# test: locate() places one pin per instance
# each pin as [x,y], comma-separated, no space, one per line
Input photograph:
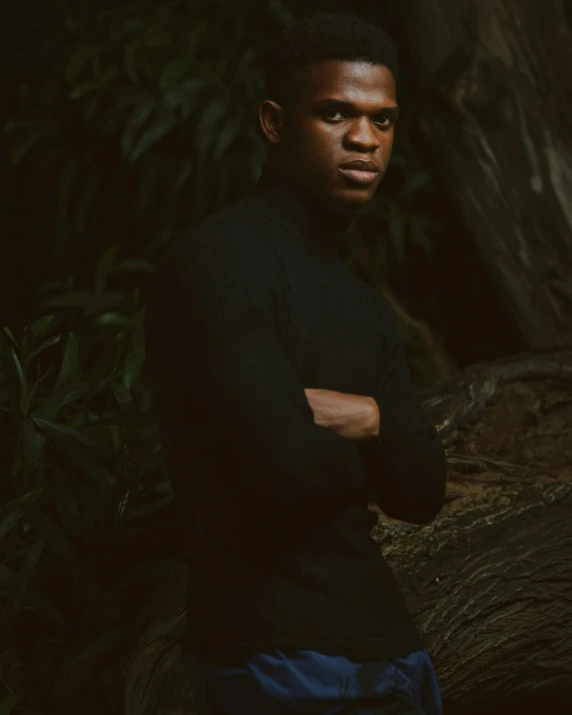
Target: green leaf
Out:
[63,432]
[29,566]
[56,537]
[184,175]
[104,644]
[13,126]
[111,72]
[70,363]
[120,509]
[225,139]
[85,454]
[183,94]
[43,346]
[66,392]
[50,286]
[22,147]
[10,515]
[152,135]
[83,88]
[123,398]
[134,265]
[244,61]
[129,62]
[88,300]
[172,73]
[195,36]
[123,27]
[111,299]
[214,71]
[133,365]
[41,326]
[80,57]
[10,334]
[207,125]
[116,320]
[282,12]
[139,115]
[22,379]
[32,448]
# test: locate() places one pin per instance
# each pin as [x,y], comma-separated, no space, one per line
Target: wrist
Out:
[369,427]
[374,422]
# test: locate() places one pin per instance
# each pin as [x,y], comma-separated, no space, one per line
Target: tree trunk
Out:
[489,582]
[496,109]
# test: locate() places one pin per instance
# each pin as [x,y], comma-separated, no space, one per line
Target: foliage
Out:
[150,124]
[151,121]
[81,472]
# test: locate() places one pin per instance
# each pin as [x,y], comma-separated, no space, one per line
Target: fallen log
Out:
[489,582]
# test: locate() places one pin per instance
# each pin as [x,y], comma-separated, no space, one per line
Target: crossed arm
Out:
[214,338]
[355,417]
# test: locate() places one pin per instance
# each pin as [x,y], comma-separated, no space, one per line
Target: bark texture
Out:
[489,582]
[497,112]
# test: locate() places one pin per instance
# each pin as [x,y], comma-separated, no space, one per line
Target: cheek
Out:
[387,140]
[316,137]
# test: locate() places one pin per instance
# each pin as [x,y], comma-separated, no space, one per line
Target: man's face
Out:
[344,112]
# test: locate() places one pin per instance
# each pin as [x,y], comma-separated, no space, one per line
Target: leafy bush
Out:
[81,473]
[150,123]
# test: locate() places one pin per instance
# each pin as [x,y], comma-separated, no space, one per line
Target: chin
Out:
[354,205]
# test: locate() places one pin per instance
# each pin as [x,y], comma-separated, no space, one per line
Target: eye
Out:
[327,114]
[383,119]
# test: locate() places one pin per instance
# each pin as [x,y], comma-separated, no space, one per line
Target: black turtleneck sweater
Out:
[247,310]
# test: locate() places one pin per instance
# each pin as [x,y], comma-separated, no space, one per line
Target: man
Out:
[286,408]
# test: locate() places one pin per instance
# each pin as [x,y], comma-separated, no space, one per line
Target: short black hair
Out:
[321,37]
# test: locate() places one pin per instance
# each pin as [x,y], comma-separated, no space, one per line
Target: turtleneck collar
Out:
[287,202]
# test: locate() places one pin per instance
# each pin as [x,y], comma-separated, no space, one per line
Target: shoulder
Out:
[230,240]
[225,262]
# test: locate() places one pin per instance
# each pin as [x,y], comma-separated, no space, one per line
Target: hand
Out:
[354,417]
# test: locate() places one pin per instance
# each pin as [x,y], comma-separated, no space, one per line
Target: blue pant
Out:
[275,683]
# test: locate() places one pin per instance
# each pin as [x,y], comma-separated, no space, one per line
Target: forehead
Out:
[356,82]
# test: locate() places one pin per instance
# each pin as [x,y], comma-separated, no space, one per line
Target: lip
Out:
[359,176]
[361,164]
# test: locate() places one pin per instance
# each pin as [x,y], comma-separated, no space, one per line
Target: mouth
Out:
[363,177]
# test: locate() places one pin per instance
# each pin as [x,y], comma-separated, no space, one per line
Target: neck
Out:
[319,225]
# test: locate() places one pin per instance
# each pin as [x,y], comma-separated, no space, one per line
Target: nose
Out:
[362,135]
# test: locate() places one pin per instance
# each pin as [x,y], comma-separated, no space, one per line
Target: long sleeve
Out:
[212,326]
[405,466]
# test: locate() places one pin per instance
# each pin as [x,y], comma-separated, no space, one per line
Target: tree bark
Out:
[489,582]
[496,109]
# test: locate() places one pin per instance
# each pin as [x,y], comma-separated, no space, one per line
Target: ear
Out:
[271,121]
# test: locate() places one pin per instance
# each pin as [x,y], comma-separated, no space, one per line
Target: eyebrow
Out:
[392,111]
